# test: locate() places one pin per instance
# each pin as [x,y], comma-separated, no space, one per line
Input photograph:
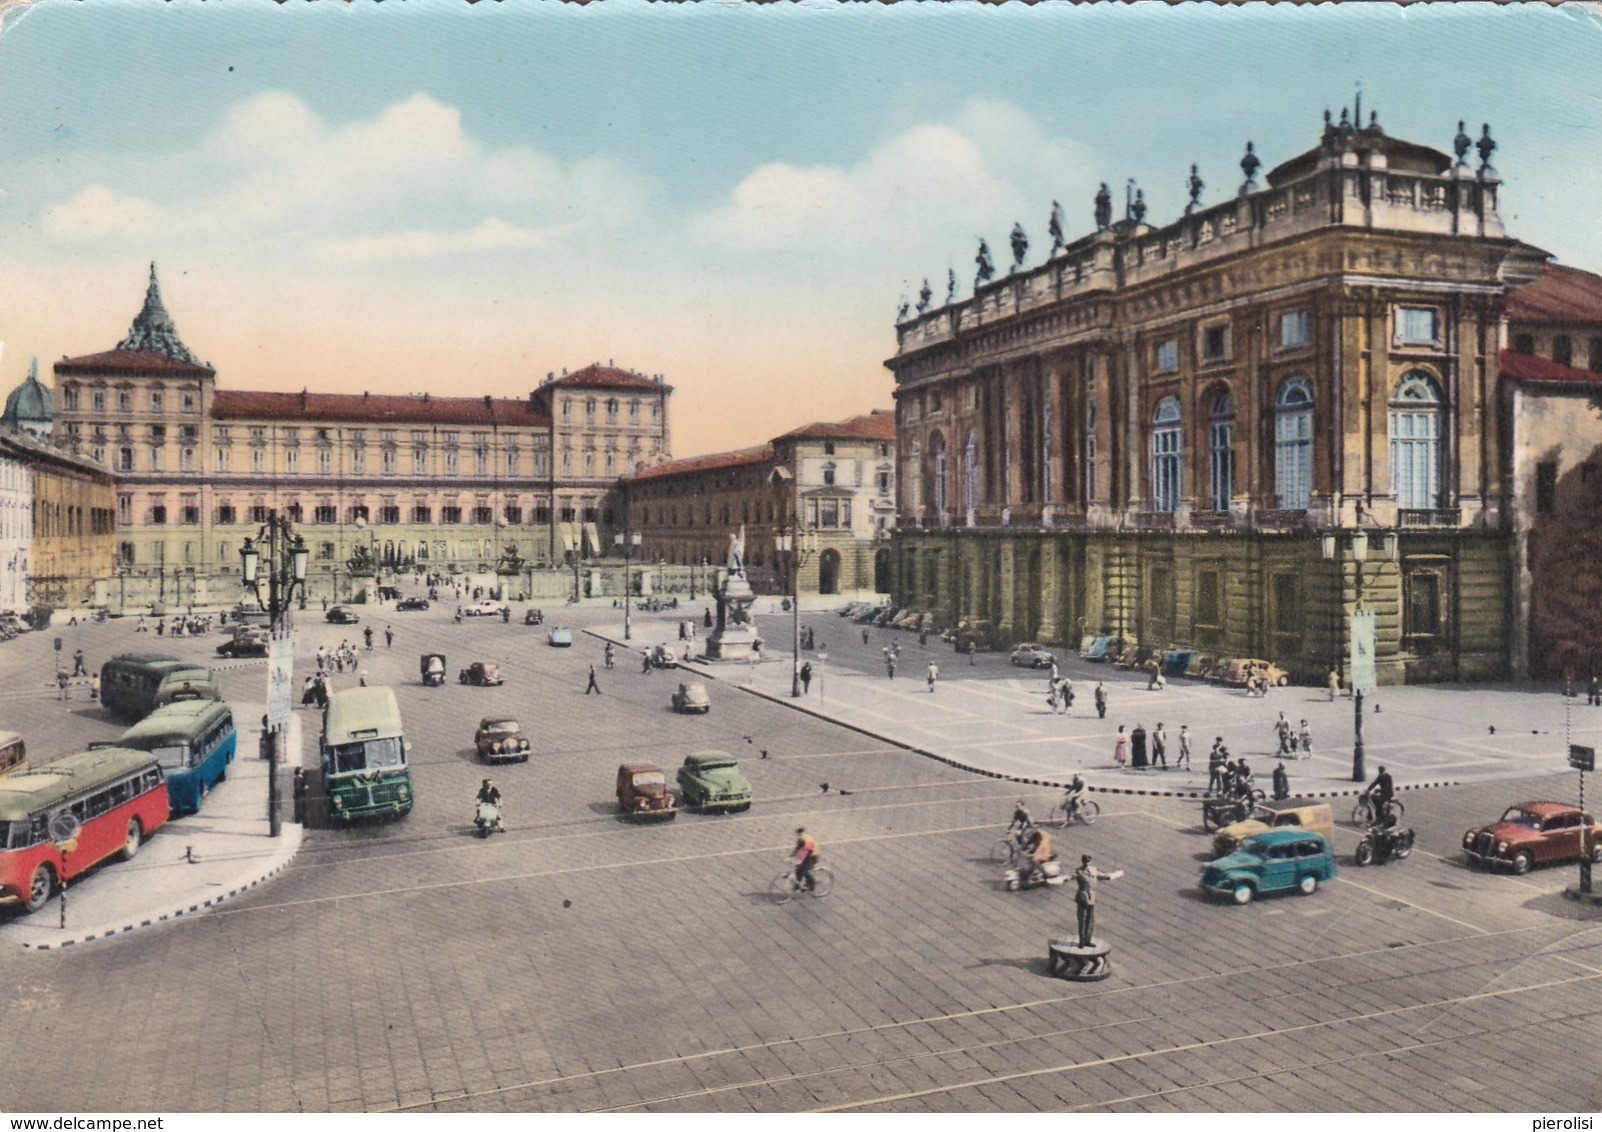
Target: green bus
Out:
[364,755]
[128,683]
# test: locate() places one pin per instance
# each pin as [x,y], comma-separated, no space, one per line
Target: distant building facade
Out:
[835,480]
[1173,434]
[373,482]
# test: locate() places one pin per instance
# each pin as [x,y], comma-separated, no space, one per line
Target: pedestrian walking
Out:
[890,664]
[1067,695]
[1137,747]
[864,635]
[972,648]
[1594,690]
[1216,758]
[1307,740]
[1101,701]
[592,686]
[645,662]
[1334,685]
[1159,743]
[1281,783]
[367,635]
[142,627]
[608,656]
[895,649]
[1121,748]
[61,684]
[1051,696]
[361,680]
[1282,728]
[94,686]
[923,638]
[1183,758]
[77,663]
[806,678]
[934,674]
[389,637]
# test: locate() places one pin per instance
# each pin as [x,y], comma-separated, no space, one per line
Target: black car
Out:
[407,604]
[247,643]
[339,615]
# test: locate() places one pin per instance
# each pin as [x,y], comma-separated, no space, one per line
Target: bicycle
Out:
[1364,813]
[1085,810]
[785,886]
[1004,849]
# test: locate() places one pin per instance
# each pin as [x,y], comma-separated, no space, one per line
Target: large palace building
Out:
[1229,431]
[445,484]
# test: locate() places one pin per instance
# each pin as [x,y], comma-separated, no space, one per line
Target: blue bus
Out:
[194,742]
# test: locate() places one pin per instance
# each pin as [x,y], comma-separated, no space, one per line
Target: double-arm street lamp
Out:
[1362,656]
[286,556]
[798,546]
[630,540]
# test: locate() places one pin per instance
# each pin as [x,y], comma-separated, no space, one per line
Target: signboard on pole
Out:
[1362,661]
[280,676]
[1582,758]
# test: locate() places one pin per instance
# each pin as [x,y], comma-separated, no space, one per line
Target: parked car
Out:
[1276,815]
[642,792]
[691,698]
[1033,656]
[482,609]
[662,656]
[247,641]
[1534,833]
[501,741]
[559,638]
[341,615]
[410,604]
[1237,668]
[1277,861]
[711,780]
[481,674]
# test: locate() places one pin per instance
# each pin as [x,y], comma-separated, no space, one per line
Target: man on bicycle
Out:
[1071,797]
[1021,821]
[1243,779]
[805,857]
[1379,795]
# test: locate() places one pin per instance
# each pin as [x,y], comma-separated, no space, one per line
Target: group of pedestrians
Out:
[1140,750]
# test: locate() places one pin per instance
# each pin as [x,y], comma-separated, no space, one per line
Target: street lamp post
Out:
[798,546]
[631,539]
[1357,548]
[286,572]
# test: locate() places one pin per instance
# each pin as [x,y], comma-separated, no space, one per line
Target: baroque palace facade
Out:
[1228,432]
[375,482]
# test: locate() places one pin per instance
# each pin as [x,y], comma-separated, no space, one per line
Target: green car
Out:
[711,780]
[1278,860]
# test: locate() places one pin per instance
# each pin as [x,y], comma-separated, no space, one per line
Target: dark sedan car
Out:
[341,615]
[249,642]
[483,674]
[409,604]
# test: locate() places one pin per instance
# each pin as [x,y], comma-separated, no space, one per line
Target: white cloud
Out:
[491,235]
[98,213]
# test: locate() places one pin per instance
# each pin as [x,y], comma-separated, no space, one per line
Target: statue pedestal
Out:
[734,638]
[1067,960]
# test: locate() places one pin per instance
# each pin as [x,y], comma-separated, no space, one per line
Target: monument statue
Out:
[737,551]
[735,637]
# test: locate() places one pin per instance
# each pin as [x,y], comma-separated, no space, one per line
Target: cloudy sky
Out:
[424,194]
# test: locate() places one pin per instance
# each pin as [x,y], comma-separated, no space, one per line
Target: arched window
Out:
[1221,451]
[937,454]
[1293,444]
[1416,442]
[970,474]
[1167,449]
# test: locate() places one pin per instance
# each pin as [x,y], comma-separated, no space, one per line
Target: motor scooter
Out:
[1025,874]
[1381,843]
[487,819]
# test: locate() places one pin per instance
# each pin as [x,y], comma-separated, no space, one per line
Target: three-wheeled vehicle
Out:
[431,666]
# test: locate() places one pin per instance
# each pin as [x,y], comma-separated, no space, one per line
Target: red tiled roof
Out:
[238,404]
[126,361]
[715,462]
[1563,294]
[877,425]
[1533,367]
[608,377]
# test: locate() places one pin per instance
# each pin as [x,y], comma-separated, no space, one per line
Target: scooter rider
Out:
[1037,851]
[489,793]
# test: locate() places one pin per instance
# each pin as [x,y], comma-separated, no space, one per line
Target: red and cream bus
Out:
[116,797]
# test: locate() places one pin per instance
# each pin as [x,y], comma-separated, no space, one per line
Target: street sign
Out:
[1363,651]
[1582,758]
[280,674]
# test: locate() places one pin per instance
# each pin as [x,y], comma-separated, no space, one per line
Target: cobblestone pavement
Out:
[580,963]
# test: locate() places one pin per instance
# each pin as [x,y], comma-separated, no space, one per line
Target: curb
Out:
[149,921]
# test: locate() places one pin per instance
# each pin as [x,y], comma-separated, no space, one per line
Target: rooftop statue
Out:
[1054,229]
[951,285]
[1103,208]
[924,296]
[1462,144]
[1486,147]
[987,267]
[1020,246]
[1196,186]
[1251,163]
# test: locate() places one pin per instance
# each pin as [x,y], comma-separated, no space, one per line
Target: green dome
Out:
[30,405]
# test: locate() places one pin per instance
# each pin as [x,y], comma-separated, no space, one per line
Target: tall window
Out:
[1418,326]
[1562,350]
[1295,329]
[1167,356]
[937,452]
[1221,451]
[1046,454]
[1416,442]
[1293,444]
[1167,449]
[1090,438]
[970,474]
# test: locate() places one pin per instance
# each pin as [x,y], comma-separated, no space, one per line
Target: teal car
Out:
[711,780]
[559,638]
[1275,861]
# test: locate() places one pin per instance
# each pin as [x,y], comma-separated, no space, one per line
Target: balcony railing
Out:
[1438,517]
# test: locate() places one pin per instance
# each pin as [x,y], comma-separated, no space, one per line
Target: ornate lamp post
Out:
[798,546]
[630,540]
[286,572]
[1362,658]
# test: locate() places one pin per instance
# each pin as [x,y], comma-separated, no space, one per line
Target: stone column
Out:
[1008,565]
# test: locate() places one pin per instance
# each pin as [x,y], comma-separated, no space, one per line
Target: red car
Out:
[1534,833]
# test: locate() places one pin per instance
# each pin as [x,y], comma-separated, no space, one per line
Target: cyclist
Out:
[805,857]
[1021,821]
[1379,795]
[1070,799]
[1243,780]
